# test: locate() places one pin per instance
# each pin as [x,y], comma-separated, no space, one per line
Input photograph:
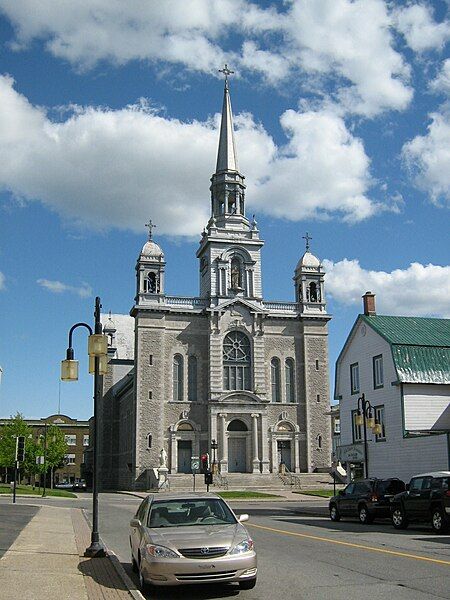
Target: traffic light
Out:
[208,478]
[20,448]
[205,462]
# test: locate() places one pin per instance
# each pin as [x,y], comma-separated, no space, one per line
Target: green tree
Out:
[55,450]
[8,435]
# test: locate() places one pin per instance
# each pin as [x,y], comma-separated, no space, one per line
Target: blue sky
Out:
[109,116]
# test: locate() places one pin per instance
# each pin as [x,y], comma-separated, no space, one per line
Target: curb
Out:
[112,557]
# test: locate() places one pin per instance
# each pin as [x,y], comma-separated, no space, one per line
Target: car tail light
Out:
[447,493]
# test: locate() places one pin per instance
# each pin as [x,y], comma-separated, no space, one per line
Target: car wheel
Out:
[399,519]
[364,515]
[334,513]
[247,585]
[438,521]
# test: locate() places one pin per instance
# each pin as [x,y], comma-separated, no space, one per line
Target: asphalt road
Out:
[303,557]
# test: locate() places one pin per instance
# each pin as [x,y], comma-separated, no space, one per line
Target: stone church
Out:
[226,367]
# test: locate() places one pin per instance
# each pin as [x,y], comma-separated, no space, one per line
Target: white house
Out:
[400,366]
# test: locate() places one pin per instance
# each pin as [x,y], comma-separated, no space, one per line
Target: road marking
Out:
[350,545]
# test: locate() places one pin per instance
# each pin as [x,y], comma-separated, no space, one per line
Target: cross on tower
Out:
[226,71]
[307,237]
[150,226]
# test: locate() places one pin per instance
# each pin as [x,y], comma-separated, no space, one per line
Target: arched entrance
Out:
[237,446]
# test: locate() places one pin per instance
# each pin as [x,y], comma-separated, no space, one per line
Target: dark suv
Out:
[366,499]
[427,498]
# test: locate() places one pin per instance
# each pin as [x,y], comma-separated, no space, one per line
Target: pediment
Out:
[239,300]
[241,397]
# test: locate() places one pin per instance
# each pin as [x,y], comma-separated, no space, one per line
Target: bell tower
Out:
[150,269]
[229,253]
[309,283]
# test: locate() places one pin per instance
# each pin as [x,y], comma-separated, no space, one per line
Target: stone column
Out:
[264,445]
[173,452]
[223,446]
[275,464]
[255,461]
[296,453]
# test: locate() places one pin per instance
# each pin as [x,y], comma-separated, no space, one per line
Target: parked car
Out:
[64,485]
[191,538]
[367,499]
[426,499]
[79,486]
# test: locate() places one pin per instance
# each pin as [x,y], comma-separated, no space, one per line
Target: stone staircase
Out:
[254,482]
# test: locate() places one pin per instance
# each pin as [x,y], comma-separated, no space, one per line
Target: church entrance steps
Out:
[253,481]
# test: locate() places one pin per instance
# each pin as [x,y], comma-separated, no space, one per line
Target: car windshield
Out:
[183,513]
[390,486]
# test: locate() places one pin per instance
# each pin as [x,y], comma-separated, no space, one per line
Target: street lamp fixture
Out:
[365,417]
[98,362]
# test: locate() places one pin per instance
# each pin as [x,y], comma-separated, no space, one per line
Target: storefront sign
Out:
[352,453]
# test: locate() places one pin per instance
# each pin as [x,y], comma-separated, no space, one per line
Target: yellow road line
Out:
[350,545]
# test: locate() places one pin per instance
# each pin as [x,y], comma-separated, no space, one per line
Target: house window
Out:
[319,442]
[354,378]
[192,378]
[149,440]
[236,361]
[379,418]
[86,440]
[275,379]
[378,371]
[337,426]
[178,378]
[356,429]
[150,395]
[150,359]
[317,365]
[289,373]
[318,397]
[69,459]
[71,440]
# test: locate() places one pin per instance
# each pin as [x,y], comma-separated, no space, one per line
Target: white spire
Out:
[226,156]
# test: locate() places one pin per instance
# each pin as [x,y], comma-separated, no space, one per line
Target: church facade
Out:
[227,368]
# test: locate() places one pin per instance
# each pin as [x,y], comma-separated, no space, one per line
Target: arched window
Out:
[236,278]
[178,378]
[185,426]
[151,284]
[289,373]
[192,378]
[236,361]
[237,425]
[275,379]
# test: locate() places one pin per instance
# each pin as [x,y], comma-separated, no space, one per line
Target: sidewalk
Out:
[46,562]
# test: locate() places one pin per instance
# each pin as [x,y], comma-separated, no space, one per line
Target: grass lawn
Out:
[245,495]
[27,490]
[321,493]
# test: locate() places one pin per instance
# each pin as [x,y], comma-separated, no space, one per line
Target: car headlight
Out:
[160,551]
[244,546]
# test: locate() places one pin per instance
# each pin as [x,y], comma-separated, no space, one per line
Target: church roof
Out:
[152,250]
[308,261]
[226,155]
[124,333]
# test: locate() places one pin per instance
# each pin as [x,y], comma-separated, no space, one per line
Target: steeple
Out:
[227,184]
[226,156]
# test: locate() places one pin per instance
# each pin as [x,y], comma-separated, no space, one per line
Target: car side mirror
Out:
[341,492]
[135,523]
[242,518]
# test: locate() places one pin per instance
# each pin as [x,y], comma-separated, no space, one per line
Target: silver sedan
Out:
[191,537]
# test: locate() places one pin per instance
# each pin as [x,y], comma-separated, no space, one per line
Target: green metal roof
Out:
[420,346]
[413,331]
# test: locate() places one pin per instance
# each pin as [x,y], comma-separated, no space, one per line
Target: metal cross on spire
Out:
[226,71]
[307,237]
[150,226]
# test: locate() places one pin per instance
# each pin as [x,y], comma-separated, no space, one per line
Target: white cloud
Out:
[351,39]
[347,43]
[429,157]
[114,168]
[2,281]
[420,30]
[421,290]
[57,287]
[442,81]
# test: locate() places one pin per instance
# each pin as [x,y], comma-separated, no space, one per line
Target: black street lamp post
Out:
[366,417]
[98,347]
[214,446]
